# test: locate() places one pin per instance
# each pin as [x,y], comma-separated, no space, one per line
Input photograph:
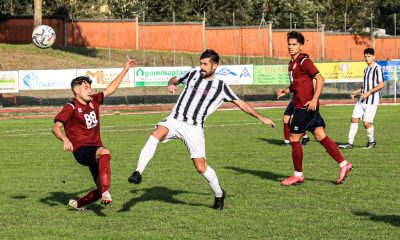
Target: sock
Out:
[342,164]
[212,180]
[92,196]
[147,153]
[297,156]
[105,172]
[298,174]
[370,134]
[332,149]
[286,132]
[352,132]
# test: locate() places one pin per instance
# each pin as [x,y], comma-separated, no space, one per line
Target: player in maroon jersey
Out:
[306,116]
[81,121]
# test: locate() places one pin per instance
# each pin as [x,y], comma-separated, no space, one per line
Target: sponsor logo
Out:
[30,80]
[245,73]
[225,72]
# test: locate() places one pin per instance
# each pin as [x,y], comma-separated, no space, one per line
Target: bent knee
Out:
[105,151]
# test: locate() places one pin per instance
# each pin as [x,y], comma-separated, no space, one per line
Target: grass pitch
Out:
[174,201]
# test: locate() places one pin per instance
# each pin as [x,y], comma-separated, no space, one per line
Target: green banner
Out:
[271,74]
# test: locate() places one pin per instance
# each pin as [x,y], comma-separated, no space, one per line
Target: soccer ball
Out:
[43,36]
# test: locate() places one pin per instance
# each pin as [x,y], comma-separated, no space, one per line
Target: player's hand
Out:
[353,95]
[311,105]
[267,121]
[280,93]
[68,146]
[172,88]
[130,63]
[365,95]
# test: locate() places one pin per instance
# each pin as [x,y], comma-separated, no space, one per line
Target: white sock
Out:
[370,134]
[286,141]
[352,132]
[147,153]
[298,174]
[212,180]
[342,164]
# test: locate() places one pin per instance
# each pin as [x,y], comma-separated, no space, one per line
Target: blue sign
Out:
[391,70]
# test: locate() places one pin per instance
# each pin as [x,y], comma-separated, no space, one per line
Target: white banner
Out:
[235,74]
[103,76]
[157,76]
[46,79]
[9,82]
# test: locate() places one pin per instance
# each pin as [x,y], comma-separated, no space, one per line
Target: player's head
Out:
[295,43]
[209,61]
[369,55]
[81,87]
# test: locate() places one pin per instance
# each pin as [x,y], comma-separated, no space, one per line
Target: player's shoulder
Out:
[70,105]
[304,59]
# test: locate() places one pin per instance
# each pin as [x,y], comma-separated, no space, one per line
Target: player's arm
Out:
[60,135]
[113,86]
[251,111]
[282,92]
[355,93]
[373,90]
[172,85]
[319,85]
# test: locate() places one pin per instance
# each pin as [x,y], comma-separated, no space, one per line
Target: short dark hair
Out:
[296,35]
[79,80]
[369,51]
[209,53]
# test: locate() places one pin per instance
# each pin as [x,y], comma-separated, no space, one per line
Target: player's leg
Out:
[147,152]
[104,158]
[297,158]
[368,118]
[358,112]
[286,130]
[90,197]
[333,150]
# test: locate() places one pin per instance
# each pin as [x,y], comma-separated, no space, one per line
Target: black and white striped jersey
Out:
[200,97]
[372,77]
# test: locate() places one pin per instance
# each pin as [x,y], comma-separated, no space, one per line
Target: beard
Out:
[204,74]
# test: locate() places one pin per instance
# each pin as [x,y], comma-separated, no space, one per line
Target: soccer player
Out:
[203,93]
[80,119]
[286,129]
[367,104]
[306,116]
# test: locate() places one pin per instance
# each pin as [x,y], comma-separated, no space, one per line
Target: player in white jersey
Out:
[367,104]
[203,93]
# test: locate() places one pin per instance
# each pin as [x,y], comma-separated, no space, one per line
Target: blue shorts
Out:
[86,156]
[303,120]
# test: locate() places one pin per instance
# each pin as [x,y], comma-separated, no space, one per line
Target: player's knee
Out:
[355,120]
[105,151]
[367,125]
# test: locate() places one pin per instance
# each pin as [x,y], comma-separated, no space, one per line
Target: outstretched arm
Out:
[113,86]
[282,92]
[251,111]
[60,135]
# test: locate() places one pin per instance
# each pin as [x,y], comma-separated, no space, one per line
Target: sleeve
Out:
[309,67]
[65,114]
[379,75]
[98,97]
[185,78]
[228,94]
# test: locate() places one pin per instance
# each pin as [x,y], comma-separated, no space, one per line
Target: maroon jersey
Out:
[82,122]
[302,72]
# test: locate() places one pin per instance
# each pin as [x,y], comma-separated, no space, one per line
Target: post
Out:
[262,38]
[395,27]
[65,30]
[271,47]
[345,22]
[317,21]
[174,37]
[144,39]
[137,32]
[323,40]
[372,32]
[109,38]
[233,38]
[204,31]
[290,17]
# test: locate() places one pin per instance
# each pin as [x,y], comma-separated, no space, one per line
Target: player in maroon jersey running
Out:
[306,116]
[81,121]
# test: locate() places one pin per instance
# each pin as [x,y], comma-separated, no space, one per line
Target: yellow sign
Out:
[342,71]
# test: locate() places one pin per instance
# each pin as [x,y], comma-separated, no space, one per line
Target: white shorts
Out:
[364,111]
[191,136]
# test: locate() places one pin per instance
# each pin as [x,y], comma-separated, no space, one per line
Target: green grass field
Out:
[174,201]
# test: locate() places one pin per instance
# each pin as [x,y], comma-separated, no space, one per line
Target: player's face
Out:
[369,59]
[83,91]
[294,47]
[207,67]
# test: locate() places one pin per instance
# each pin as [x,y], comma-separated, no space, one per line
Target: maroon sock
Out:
[92,196]
[332,149]
[286,131]
[105,172]
[297,156]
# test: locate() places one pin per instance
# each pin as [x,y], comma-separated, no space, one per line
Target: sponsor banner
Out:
[157,76]
[103,76]
[9,82]
[46,79]
[271,74]
[391,70]
[235,74]
[342,71]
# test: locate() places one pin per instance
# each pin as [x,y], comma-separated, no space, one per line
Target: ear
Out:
[215,66]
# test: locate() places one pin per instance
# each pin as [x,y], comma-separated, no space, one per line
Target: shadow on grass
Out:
[19,197]
[270,175]
[88,52]
[157,194]
[272,141]
[388,219]
[62,198]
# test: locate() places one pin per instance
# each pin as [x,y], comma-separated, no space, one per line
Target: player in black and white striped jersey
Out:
[203,93]
[367,104]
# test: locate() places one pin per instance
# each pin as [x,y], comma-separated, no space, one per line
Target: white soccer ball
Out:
[43,36]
